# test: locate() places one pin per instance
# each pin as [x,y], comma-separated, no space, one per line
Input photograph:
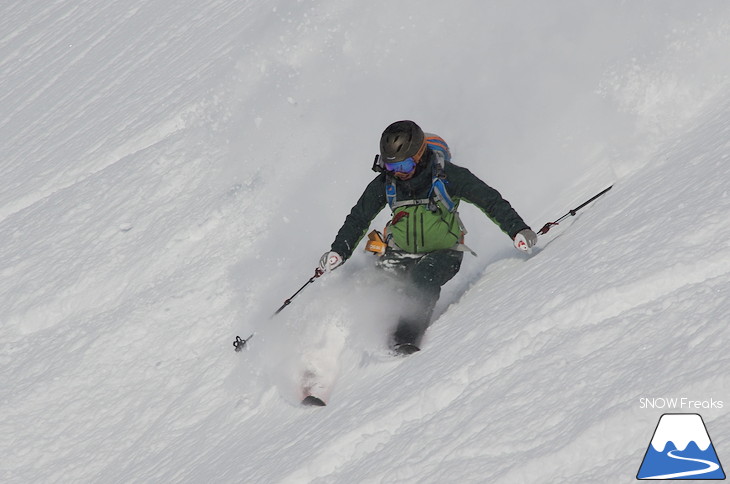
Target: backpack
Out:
[428,224]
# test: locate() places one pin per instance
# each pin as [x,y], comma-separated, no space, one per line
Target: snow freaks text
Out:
[679,403]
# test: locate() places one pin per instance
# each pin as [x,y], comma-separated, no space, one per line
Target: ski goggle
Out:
[405,166]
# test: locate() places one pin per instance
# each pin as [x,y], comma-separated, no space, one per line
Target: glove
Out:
[525,240]
[330,261]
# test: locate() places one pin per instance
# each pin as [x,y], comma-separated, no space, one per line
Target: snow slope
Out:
[172,171]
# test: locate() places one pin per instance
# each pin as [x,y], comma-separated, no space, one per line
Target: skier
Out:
[423,242]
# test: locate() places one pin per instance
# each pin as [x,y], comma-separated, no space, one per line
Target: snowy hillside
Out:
[172,171]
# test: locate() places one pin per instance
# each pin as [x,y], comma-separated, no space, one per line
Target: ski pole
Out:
[317,272]
[240,343]
[571,213]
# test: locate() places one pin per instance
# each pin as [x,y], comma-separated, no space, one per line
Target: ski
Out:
[405,349]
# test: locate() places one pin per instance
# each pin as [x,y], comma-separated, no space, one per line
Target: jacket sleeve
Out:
[468,187]
[371,202]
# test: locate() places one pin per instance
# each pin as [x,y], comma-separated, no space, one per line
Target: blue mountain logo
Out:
[681,449]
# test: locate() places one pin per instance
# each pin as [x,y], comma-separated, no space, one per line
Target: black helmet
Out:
[401,140]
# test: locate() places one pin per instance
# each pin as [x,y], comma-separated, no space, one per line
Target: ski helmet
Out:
[401,140]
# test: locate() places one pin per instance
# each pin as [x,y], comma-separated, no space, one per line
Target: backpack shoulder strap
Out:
[438,183]
[390,191]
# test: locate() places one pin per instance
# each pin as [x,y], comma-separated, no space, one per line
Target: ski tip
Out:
[312,401]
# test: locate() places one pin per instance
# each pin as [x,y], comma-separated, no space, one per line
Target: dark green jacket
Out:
[461,185]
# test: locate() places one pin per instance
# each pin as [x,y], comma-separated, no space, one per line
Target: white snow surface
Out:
[172,171]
